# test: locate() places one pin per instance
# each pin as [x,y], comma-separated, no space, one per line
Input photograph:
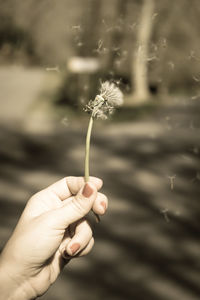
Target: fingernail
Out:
[87,190]
[103,204]
[74,248]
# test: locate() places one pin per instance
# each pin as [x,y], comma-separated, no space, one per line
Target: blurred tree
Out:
[140,61]
[90,24]
[15,41]
[139,42]
[175,46]
[117,35]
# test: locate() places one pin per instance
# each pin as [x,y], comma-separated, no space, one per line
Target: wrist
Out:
[12,285]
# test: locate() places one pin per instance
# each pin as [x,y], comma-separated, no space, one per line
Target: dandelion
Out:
[196,78]
[101,107]
[171,178]
[65,121]
[110,97]
[55,69]
[165,214]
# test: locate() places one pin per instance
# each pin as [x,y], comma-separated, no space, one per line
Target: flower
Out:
[103,105]
[111,93]
[110,96]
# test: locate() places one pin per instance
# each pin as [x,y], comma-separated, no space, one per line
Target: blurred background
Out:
[53,56]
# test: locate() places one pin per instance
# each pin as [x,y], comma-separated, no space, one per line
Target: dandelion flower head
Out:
[110,97]
[111,93]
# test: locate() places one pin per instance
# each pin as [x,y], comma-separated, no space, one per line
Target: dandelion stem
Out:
[87,150]
[87,157]
[110,96]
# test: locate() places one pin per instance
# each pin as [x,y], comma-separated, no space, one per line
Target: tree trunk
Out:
[140,63]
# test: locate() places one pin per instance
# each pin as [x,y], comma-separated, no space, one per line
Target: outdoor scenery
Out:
[54,55]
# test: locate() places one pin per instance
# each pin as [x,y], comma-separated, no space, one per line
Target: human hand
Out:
[51,230]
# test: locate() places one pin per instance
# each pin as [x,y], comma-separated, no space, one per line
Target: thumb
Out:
[76,207]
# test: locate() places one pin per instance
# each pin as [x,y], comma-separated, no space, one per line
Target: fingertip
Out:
[97,181]
[101,204]
[74,183]
[88,189]
[88,248]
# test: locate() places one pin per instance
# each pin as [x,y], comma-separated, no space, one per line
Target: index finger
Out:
[69,186]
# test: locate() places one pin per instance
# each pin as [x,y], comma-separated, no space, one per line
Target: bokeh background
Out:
[53,56]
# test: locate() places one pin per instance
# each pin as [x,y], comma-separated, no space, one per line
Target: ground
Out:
[148,244]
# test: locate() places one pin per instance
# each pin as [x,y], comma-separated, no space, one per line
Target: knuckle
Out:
[89,232]
[86,230]
[88,248]
[76,202]
[69,178]
[70,183]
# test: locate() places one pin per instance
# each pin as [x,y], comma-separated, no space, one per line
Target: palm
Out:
[42,247]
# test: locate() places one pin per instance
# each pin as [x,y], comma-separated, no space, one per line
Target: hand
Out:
[51,230]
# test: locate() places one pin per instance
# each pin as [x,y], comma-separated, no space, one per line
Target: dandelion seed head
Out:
[65,121]
[111,93]
[103,105]
[80,44]
[53,69]
[101,114]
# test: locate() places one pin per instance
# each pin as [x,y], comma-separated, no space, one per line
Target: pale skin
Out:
[51,230]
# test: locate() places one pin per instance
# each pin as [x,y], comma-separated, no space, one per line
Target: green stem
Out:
[87,150]
[87,157]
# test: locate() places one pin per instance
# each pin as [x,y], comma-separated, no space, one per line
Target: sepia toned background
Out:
[53,57]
